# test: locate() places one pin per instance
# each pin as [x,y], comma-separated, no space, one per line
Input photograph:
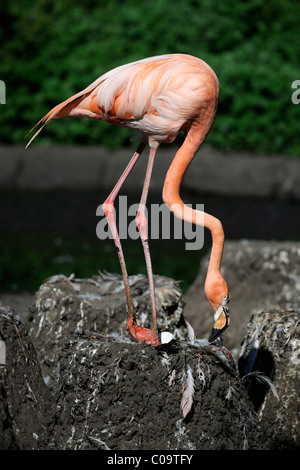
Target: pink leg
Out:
[142,225]
[108,209]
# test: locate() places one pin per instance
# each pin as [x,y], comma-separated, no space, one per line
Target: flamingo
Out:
[158,96]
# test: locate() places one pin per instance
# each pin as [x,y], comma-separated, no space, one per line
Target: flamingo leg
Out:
[142,225]
[108,209]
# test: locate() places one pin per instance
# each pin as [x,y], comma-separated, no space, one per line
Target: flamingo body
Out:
[158,97]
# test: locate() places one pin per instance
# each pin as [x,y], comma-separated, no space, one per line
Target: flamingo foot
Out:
[142,335]
[220,326]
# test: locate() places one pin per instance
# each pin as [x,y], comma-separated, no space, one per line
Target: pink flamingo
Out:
[158,96]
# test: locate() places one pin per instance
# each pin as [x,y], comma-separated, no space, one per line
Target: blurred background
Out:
[246,174]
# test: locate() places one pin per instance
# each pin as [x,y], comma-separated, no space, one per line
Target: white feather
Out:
[172,377]
[191,332]
[263,379]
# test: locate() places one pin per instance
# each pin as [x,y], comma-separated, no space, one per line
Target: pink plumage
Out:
[155,96]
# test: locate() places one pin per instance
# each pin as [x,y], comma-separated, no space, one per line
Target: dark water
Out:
[46,233]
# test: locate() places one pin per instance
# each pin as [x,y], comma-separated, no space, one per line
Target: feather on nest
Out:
[188,390]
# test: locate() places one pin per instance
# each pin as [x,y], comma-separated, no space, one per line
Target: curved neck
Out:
[172,198]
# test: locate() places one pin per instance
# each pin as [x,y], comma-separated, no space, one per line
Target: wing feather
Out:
[156,96]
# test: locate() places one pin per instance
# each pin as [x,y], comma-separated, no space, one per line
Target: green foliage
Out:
[51,50]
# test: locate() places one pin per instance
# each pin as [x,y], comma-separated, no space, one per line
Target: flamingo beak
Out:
[222,320]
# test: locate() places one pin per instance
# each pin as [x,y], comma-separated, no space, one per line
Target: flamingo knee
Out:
[142,224]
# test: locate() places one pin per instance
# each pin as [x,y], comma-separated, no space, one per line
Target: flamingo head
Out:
[217,294]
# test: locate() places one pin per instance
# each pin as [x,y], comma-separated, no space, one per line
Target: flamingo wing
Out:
[155,96]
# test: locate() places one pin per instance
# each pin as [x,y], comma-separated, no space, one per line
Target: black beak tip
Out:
[216,333]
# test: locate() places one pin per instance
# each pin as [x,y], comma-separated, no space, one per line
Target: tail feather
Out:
[54,112]
[44,120]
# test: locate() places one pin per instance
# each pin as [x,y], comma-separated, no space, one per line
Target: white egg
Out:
[165,337]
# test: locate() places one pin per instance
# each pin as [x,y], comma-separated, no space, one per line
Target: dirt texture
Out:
[259,274]
[64,308]
[123,396]
[72,378]
[26,406]
[272,347]
[108,392]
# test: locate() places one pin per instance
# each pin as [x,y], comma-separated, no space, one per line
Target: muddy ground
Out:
[73,378]
[66,388]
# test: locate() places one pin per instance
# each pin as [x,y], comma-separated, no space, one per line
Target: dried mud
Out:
[109,392]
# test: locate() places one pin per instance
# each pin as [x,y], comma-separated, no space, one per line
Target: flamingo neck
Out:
[171,197]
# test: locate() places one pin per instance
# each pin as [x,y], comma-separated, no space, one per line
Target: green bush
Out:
[51,50]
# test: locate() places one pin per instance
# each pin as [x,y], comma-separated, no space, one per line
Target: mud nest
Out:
[74,379]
